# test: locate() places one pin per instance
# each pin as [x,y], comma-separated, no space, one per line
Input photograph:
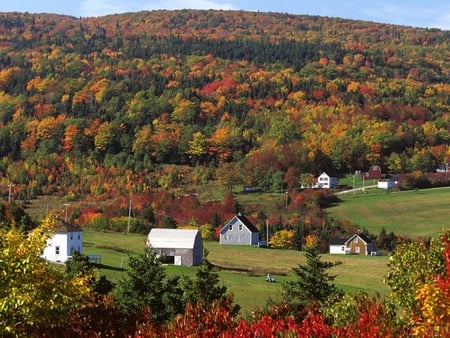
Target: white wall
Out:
[386,184]
[66,243]
[337,249]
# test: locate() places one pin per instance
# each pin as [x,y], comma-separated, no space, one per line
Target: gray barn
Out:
[177,246]
[239,231]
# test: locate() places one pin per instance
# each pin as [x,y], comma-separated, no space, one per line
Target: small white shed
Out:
[177,246]
[386,184]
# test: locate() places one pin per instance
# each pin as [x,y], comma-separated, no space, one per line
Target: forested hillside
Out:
[126,103]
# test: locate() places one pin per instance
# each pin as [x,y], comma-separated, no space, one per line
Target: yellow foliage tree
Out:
[282,239]
[33,292]
[433,302]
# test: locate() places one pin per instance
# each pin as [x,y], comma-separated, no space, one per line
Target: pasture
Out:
[414,213]
[242,269]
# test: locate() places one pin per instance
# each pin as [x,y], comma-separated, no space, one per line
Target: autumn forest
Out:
[141,111]
[131,103]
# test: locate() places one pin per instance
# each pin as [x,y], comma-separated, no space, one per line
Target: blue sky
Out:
[417,13]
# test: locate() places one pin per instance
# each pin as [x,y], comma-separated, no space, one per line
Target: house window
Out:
[57,249]
[357,249]
[230,227]
[71,236]
[343,248]
[240,227]
[78,236]
[356,240]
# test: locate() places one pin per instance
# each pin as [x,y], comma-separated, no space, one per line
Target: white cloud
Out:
[104,7]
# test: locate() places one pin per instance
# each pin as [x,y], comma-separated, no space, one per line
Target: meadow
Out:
[418,213]
[241,269]
[413,214]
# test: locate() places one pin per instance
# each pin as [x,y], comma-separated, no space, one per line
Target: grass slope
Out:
[408,213]
[241,269]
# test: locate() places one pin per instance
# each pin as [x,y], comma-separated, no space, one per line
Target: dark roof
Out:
[365,238]
[247,223]
[338,241]
[362,236]
[66,227]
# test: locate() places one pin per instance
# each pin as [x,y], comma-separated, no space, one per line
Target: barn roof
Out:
[172,238]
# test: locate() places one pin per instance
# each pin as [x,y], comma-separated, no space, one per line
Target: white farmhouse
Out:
[60,246]
[326,182]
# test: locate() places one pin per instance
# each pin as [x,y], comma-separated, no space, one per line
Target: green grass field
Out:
[241,269]
[413,214]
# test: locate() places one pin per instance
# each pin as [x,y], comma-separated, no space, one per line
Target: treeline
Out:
[128,103]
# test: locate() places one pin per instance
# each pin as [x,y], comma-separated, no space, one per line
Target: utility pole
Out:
[354,188]
[129,217]
[66,205]
[267,231]
[446,172]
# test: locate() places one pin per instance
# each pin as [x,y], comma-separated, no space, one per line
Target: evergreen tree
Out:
[312,284]
[299,236]
[216,220]
[146,287]
[205,288]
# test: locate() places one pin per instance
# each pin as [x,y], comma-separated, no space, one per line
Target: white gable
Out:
[172,238]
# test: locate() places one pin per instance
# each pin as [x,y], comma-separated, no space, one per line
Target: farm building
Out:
[337,246]
[374,173]
[239,231]
[386,184]
[177,246]
[326,182]
[357,244]
[60,246]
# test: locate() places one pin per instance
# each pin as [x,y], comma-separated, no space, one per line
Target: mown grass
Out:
[417,213]
[241,269]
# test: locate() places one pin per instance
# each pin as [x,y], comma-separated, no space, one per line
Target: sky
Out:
[416,13]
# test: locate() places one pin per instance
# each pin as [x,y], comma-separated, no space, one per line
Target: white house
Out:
[357,244]
[60,246]
[177,246]
[325,181]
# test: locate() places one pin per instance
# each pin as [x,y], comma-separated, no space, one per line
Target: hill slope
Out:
[126,103]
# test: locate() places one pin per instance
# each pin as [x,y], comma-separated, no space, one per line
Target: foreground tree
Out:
[79,265]
[147,288]
[312,284]
[410,266]
[433,302]
[34,294]
[206,287]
